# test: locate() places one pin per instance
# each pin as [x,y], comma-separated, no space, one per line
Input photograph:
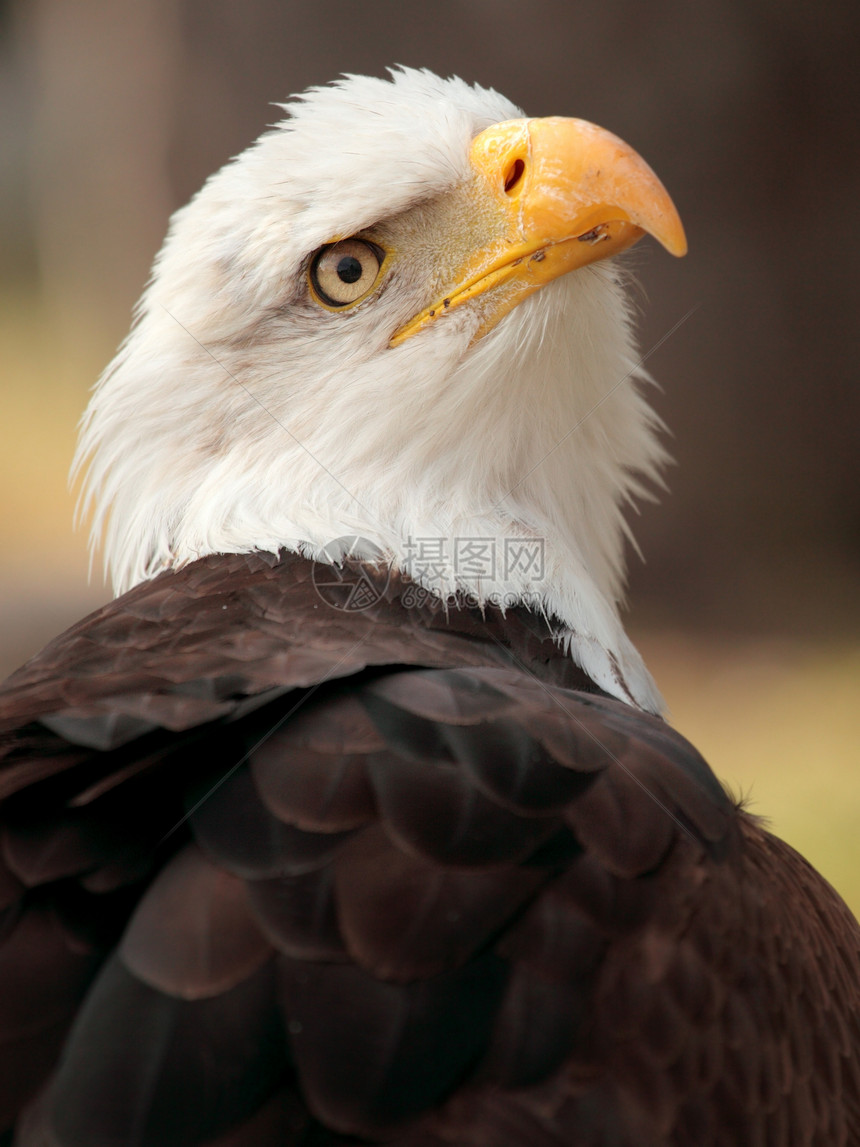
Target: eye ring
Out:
[341,274]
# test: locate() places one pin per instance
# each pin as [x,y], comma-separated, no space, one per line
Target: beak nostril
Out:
[515,174]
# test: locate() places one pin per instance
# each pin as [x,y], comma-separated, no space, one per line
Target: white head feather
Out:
[239,415]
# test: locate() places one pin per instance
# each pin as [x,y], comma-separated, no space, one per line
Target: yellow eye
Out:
[342,273]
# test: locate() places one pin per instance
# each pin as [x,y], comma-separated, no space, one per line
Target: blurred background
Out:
[115,111]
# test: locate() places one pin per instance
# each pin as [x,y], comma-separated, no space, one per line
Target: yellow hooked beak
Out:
[547,196]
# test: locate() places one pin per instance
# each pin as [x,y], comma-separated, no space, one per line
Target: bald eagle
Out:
[353,819]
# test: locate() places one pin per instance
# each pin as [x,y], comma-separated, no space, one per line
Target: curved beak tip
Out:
[674,239]
[584,164]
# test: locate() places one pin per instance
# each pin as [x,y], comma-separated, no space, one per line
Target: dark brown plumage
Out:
[310,877]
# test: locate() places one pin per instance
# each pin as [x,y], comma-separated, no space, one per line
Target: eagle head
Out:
[395,318]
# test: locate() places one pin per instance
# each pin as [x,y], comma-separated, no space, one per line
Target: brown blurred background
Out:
[114,111]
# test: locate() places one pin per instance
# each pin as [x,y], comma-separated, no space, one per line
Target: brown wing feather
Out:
[360,875]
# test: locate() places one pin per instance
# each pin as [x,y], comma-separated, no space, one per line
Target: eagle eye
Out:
[343,273]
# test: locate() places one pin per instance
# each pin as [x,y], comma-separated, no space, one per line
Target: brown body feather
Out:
[309,877]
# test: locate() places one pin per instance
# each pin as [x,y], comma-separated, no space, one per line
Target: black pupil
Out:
[349,269]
